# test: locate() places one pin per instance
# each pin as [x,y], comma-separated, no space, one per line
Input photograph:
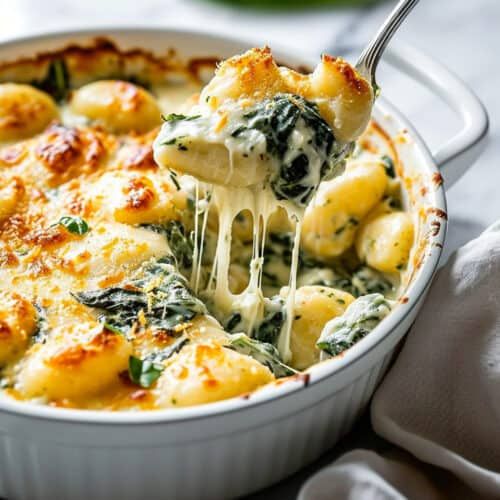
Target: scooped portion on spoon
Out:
[258,123]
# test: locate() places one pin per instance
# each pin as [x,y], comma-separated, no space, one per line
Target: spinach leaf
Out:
[42,326]
[359,319]
[75,225]
[362,280]
[180,243]
[157,290]
[264,353]
[301,168]
[167,352]
[366,280]
[279,246]
[276,118]
[269,329]
[144,372]
[57,80]
[233,322]
[174,117]
[139,81]
[389,166]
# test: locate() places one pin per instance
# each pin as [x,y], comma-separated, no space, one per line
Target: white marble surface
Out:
[462,33]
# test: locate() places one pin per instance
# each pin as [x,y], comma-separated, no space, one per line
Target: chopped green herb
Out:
[75,225]
[170,142]
[22,251]
[108,325]
[173,141]
[351,222]
[146,371]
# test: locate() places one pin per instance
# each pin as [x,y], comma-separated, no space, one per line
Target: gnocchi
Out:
[384,242]
[138,199]
[332,220]
[127,285]
[118,106]
[234,137]
[10,195]
[24,111]
[314,307]
[204,373]
[18,322]
[75,368]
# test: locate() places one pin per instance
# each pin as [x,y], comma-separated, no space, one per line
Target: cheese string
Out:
[249,304]
[285,335]
[195,267]
[202,239]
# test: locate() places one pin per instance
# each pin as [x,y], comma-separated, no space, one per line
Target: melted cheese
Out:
[96,171]
[217,144]
[261,203]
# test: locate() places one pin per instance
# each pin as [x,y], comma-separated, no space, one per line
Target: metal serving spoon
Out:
[370,57]
[212,162]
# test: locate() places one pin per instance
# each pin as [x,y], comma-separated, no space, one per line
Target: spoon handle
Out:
[368,60]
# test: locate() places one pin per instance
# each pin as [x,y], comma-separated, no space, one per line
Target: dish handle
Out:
[463,149]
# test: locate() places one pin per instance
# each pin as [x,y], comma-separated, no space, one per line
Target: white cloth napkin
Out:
[441,400]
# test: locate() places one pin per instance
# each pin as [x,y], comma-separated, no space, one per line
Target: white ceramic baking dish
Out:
[234,447]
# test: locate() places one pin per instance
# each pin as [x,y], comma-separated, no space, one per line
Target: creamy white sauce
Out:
[360,318]
[206,127]
[259,200]
[229,126]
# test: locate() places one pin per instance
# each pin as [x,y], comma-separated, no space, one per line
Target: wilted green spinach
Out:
[359,319]
[262,352]
[158,290]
